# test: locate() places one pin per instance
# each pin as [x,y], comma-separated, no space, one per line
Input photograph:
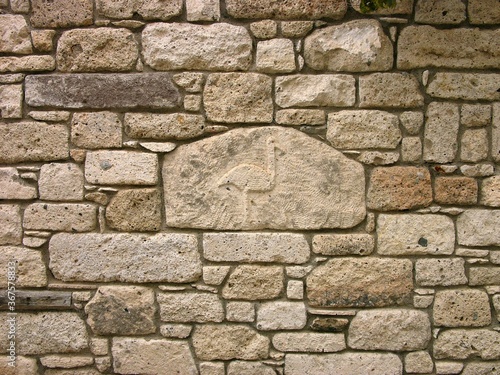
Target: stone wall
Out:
[250,187]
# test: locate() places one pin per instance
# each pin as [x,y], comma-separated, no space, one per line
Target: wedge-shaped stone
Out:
[441,132]
[46,332]
[190,307]
[30,268]
[141,356]
[463,344]
[144,90]
[32,141]
[426,46]
[164,125]
[390,329]
[325,90]
[413,234]
[477,227]
[221,46]
[343,364]
[461,308]
[369,282]
[309,342]
[389,90]
[255,178]
[15,35]
[9,64]
[281,10]
[249,282]
[465,86]
[12,186]
[125,257]
[70,217]
[355,46]
[61,13]
[97,50]
[233,342]
[255,247]
[10,224]
[343,244]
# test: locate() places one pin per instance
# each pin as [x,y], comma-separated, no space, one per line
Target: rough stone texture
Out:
[43,40]
[482,368]
[203,10]
[411,149]
[465,86]
[475,115]
[412,122]
[167,257]
[343,244]
[264,29]
[399,188]
[398,90]
[145,90]
[363,129]
[255,247]
[443,12]
[233,342]
[448,367]
[478,227]
[55,116]
[171,46]
[309,342]
[418,363]
[238,97]
[30,268]
[295,289]
[249,368]
[164,126]
[300,117]
[455,190]
[484,276]
[215,275]
[268,160]
[60,361]
[477,170]
[24,366]
[179,331]
[93,130]
[369,282]
[395,329]
[148,9]
[27,64]
[463,344]
[140,356]
[10,225]
[378,158]
[343,364]
[441,132]
[280,315]
[440,272]
[483,12]
[314,9]
[82,370]
[71,217]
[240,311]
[15,35]
[323,90]
[12,186]
[495,134]
[135,210]
[296,29]
[190,307]
[496,304]
[61,13]
[32,141]
[121,168]
[329,324]
[11,101]
[61,182]
[490,191]
[250,282]
[121,310]
[461,308]
[47,332]
[275,56]
[356,46]
[475,146]
[426,46]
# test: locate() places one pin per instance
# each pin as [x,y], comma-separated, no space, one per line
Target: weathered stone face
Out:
[440,272]
[483,12]
[280,315]
[61,182]
[455,190]
[14,187]
[61,13]
[444,12]
[275,56]
[249,368]
[309,342]
[477,227]
[71,217]
[343,244]
[389,90]
[30,268]
[350,282]
[10,225]
[93,130]
[15,35]
[441,132]
[27,64]
[463,344]
[11,101]
[164,126]
[148,9]
[250,282]
[462,308]
[490,191]
[465,86]
[190,307]
[252,182]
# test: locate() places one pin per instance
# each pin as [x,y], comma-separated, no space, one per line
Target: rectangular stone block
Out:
[30,268]
[281,315]
[314,9]
[300,117]
[32,141]
[147,9]
[12,186]
[343,244]
[190,307]
[441,132]
[141,90]
[483,12]
[495,133]
[426,46]
[11,101]
[255,247]
[164,126]
[61,13]
[440,272]
[309,342]
[463,344]
[15,34]
[10,224]
[40,63]
[462,308]
[484,276]
[125,257]
[397,90]
[121,168]
[476,227]
[465,86]
[71,217]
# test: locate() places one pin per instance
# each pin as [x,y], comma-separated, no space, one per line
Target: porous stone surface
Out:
[300,117]
[137,355]
[240,311]
[58,361]
[444,12]
[30,268]
[484,368]
[476,227]
[269,152]
[12,186]
[249,368]
[9,64]
[465,86]
[483,12]
[61,182]
[280,315]
[343,244]
[490,191]
[463,344]
[411,149]
[355,46]
[418,362]
[24,365]
[10,224]
[94,130]
[167,257]
[203,10]
[440,272]
[170,46]
[309,342]
[250,282]
[441,132]
[15,35]
[455,190]
[390,329]
[148,9]
[264,29]
[43,40]
[293,29]
[390,90]
[323,90]
[363,129]
[163,126]
[461,308]
[122,310]
[11,99]
[190,307]
[472,115]
[275,56]
[484,275]
[65,217]
[61,13]
[352,282]
[495,133]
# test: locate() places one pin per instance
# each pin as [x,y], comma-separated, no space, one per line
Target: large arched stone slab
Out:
[258,178]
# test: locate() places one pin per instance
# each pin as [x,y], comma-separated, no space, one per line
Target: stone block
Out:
[323,90]
[61,361]
[215,275]
[135,258]
[448,12]
[490,191]
[441,132]
[178,331]
[300,117]
[265,29]
[11,101]
[495,134]
[93,130]
[202,10]
[275,56]
[465,86]
[70,217]
[463,344]
[10,64]
[24,365]
[43,40]
[12,186]
[15,35]
[390,90]
[280,315]
[61,182]
[411,149]
[10,224]
[378,158]
[295,289]
[190,307]
[412,122]
[455,190]
[240,311]
[483,12]
[481,368]
[418,363]
[309,342]
[249,282]
[476,227]
[30,267]
[343,244]
[296,29]
[314,9]
[440,272]
[147,9]
[461,308]
[484,275]
[472,115]
[191,82]
[62,13]
[475,145]
[249,368]
[164,126]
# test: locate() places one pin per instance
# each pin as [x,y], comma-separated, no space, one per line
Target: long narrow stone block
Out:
[310,9]
[465,86]
[71,217]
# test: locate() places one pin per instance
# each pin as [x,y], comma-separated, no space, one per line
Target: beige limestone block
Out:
[264,29]
[441,132]
[363,129]
[61,182]
[240,311]
[30,267]
[463,344]
[314,9]
[295,289]
[148,9]
[390,90]
[465,86]
[419,362]
[233,342]
[203,10]
[255,178]
[15,35]
[191,82]
[378,158]
[300,117]
[164,125]
[390,329]
[192,103]
[32,141]
[10,64]
[484,275]
[54,116]
[275,56]
[475,146]
[20,6]
[172,46]
[280,315]
[190,307]
[70,217]
[455,190]
[141,356]
[167,257]
[215,275]
[309,342]
[482,368]
[10,224]
[296,29]
[476,227]
[83,370]
[355,46]
[478,170]
[483,12]
[178,331]
[11,101]
[411,149]
[495,133]
[249,282]
[24,366]
[59,361]
[249,368]
[472,115]
[323,90]
[43,40]
[448,367]
[490,191]
[93,130]
[461,308]
[496,304]
[440,272]
[412,121]
[445,12]
[61,13]
[343,244]
[353,282]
